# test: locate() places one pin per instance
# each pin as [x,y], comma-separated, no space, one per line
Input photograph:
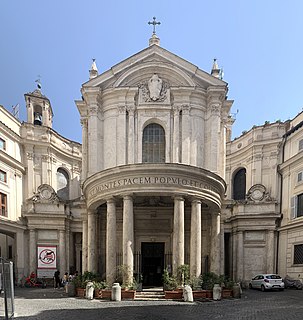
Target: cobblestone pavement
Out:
[54,304]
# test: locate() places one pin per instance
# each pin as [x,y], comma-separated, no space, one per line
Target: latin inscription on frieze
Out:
[151,180]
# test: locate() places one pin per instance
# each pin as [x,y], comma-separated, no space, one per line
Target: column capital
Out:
[179,197]
[198,201]
[110,200]
[128,197]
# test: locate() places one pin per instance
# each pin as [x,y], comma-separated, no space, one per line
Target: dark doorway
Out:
[152,263]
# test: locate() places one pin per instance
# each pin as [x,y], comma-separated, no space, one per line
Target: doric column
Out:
[178,235]
[62,251]
[176,138]
[186,138]
[240,256]
[131,131]
[92,243]
[83,122]
[84,242]
[215,254]
[32,251]
[270,251]
[128,237]
[195,239]
[111,234]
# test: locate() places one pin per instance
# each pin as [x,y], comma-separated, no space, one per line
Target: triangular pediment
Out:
[154,59]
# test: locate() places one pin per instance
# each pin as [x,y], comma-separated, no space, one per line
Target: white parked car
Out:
[266,282]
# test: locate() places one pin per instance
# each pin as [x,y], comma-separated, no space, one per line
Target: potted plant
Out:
[80,286]
[227,290]
[196,285]
[99,286]
[209,279]
[170,284]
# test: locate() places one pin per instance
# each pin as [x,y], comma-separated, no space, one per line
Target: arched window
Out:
[62,184]
[239,185]
[153,144]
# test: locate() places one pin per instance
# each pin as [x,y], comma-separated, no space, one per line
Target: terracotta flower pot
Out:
[106,294]
[201,294]
[174,295]
[128,294]
[80,292]
[227,293]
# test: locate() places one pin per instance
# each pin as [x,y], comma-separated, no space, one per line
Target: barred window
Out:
[298,254]
[3,204]
[153,144]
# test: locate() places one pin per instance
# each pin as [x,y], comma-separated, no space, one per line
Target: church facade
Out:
[156,183]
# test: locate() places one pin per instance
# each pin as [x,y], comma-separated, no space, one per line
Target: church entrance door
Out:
[152,263]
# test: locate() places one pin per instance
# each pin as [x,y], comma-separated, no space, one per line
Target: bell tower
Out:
[39,109]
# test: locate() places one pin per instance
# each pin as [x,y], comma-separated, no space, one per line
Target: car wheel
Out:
[262,288]
[250,286]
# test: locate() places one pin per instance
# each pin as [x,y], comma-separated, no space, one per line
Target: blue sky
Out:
[258,43]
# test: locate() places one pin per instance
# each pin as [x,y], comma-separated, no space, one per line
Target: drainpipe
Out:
[280,206]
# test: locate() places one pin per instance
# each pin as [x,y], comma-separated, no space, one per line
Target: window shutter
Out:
[293,207]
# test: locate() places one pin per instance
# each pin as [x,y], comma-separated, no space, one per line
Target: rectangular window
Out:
[300,144]
[2,144]
[300,176]
[2,176]
[3,204]
[298,254]
[296,205]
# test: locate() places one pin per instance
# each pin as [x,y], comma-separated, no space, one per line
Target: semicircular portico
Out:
[155,179]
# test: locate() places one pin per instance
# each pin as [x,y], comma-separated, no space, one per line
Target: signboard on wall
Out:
[47,257]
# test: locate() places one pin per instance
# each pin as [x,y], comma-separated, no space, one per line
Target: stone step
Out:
[149,295]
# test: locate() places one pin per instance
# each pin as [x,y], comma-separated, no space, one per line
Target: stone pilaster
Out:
[84,243]
[111,234]
[178,235]
[270,251]
[128,237]
[91,242]
[131,134]
[215,253]
[20,254]
[121,139]
[30,170]
[195,239]
[176,138]
[93,146]
[84,148]
[62,251]
[222,257]
[240,256]
[32,251]
[186,134]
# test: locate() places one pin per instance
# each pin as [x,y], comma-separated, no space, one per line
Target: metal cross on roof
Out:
[154,23]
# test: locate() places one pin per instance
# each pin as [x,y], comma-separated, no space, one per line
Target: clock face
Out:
[257,194]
